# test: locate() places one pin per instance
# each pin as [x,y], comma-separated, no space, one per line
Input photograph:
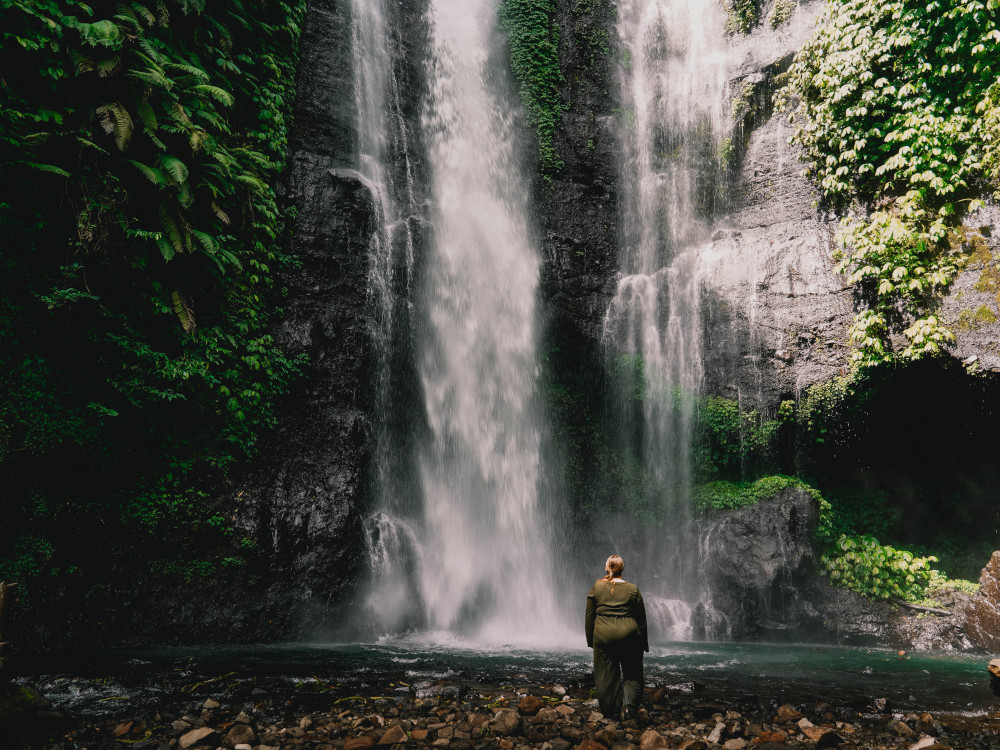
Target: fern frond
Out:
[150,173]
[82,63]
[183,311]
[189,69]
[184,195]
[222,215]
[231,258]
[123,125]
[166,249]
[220,95]
[47,168]
[147,115]
[170,228]
[206,240]
[91,144]
[175,167]
[109,66]
[162,13]
[144,13]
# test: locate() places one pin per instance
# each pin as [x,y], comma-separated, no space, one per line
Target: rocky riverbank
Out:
[448,715]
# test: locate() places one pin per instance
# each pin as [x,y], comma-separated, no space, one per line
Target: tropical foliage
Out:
[140,145]
[896,105]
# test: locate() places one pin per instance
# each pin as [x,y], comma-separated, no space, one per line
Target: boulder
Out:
[239,734]
[393,735]
[651,739]
[982,614]
[505,722]
[530,705]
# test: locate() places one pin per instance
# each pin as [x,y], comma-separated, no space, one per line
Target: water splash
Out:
[673,86]
[487,566]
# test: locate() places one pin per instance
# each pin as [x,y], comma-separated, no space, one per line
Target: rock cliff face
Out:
[765,581]
[982,614]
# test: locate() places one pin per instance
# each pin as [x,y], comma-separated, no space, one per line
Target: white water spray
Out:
[673,90]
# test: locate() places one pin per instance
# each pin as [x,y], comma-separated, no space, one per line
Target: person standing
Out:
[616,630]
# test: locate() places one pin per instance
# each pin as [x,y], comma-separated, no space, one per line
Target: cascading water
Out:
[382,139]
[673,91]
[486,567]
[465,547]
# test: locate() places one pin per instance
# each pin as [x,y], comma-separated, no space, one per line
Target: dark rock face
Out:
[304,502]
[579,206]
[982,615]
[765,582]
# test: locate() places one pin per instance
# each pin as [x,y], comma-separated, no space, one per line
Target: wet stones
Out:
[204,735]
[982,615]
[506,722]
[530,705]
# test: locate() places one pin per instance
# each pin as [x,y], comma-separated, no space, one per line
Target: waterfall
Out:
[674,121]
[487,568]
[464,544]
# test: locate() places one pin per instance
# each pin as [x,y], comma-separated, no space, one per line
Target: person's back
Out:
[616,630]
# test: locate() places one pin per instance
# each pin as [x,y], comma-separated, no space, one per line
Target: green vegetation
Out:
[742,16]
[781,12]
[878,571]
[534,57]
[896,105]
[140,144]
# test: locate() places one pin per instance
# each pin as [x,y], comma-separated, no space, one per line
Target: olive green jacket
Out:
[624,600]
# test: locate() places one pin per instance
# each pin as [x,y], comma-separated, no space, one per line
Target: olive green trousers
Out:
[618,651]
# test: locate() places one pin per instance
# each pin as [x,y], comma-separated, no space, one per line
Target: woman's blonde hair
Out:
[614,566]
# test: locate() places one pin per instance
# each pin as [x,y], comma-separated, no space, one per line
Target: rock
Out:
[651,739]
[506,722]
[211,704]
[545,716]
[530,705]
[716,734]
[788,712]
[393,735]
[737,743]
[590,745]
[774,737]
[205,735]
[804,723]
[923,743]
[419,734]
[982,614]
[124,728]
[828,739]
[239,734]
[441,742]
[244,718]
[358,743]
[558,690]
[565,710]
[573,734]
[243,747]
[693,744]
[901,728]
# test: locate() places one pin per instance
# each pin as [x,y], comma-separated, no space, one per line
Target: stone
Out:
[788,712]
[419,734]
[565,710]
[924,743]
[693,744]
[829,739]
[590,745]
[243,747]
[441,742]
[651,739]
[573,734]
[210,704]
[122,729]
[559,690]
[901,728]
[239,734]
[804,723]
[244,718]
[737,743]
[393,735]
[773,736]
[716,734]
[545,716]
[530,705]
[202,735]
[358,743]
[506,722]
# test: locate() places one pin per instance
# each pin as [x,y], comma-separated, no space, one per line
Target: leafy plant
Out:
[878,571]
[534,56]
[887,97]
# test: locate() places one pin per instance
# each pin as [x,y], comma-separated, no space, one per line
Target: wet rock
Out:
[122,729]
[715,736]
[239,734]
[693,744]
[651,739]
[359,743]
[737,743]
[590,745]
[393,735]
[506,722]
[210,704]
[982,615]
[544,716]
[829,739]
[788,712]
[203,735]
[901,728]
[530,705]
[565,710]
